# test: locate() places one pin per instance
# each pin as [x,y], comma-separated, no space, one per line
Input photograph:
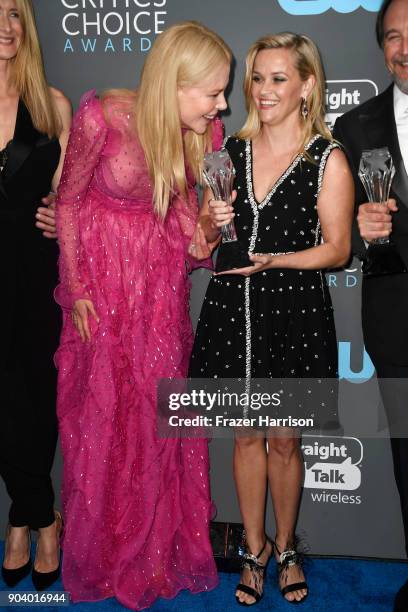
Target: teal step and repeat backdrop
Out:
[102,44]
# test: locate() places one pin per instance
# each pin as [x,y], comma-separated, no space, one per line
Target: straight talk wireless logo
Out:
[111,26]
[333,465]
[342,96]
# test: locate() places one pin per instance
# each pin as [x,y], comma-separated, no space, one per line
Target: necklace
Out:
[3,158]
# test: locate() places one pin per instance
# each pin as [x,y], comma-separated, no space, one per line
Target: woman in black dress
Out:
[34,125]
[275,319]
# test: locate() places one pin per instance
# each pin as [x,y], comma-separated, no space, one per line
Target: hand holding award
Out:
[219,174]
[376,172]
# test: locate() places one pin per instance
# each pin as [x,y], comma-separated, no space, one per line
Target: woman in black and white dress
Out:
[275,319]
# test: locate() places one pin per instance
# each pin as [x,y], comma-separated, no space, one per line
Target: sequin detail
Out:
[322,166]
[277,323]
[283,177]
[137,508]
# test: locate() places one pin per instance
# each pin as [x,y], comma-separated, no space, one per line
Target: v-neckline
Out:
[279,180]
[15,125]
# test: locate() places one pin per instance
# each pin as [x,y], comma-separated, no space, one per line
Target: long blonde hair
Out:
[27,75]
[183,55]
[307,63]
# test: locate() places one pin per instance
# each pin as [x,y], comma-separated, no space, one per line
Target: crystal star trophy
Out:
[376,172]
[219,174]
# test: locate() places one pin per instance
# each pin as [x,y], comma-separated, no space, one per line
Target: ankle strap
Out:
[262,549]
[251,560]
[291,546]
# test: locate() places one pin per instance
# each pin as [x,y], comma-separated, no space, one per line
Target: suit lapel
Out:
[2,190]
[381,131]
[24,140]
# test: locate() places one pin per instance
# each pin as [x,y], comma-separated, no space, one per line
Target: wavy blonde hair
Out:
[27,75]
[184,55]
[308,63]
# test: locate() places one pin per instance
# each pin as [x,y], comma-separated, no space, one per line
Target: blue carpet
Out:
[336,585]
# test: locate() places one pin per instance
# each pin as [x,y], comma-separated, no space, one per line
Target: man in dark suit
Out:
[383,122]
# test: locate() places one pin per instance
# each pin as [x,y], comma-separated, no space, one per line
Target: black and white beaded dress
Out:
[277,323]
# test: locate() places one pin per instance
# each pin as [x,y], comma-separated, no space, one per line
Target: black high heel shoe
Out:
[43,580]
[13,576]
[251,562]
[288,558]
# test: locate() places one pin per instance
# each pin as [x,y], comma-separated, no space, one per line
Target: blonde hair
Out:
[27,75]
[184,55]
[308,63]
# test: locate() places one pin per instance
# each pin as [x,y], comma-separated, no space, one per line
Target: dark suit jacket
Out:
[384,299]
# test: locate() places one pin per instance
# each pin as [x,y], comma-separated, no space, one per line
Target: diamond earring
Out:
[304,109]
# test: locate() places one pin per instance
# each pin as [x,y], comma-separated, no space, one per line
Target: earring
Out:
[304,109]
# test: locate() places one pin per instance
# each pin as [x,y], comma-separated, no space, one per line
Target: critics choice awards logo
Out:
[111,25]
[332,464]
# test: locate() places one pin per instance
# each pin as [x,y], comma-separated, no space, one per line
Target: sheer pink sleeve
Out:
[87,138]
[217,136]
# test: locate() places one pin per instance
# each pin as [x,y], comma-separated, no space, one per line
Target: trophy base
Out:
[382,259]
[232,255]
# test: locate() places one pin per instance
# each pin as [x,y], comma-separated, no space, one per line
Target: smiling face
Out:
[396,42]
[199,104]
[11,29]
[277,89]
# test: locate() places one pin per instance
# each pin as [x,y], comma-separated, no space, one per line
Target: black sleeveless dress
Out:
[277,323]
[30,324]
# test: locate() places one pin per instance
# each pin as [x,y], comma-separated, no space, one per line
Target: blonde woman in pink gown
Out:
[136,507]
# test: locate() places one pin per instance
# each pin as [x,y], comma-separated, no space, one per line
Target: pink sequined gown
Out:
[136,508]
